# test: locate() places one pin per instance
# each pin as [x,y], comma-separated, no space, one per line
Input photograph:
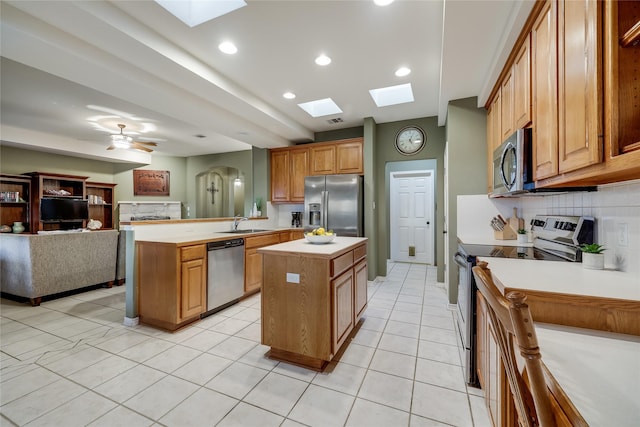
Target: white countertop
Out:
[599,372]
[563,277]
[208,236]
[302,246]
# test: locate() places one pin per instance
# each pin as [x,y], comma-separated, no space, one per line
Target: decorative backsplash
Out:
[616,208]
[149,211]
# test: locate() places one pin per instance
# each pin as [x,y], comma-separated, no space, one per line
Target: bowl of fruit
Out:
[320,236]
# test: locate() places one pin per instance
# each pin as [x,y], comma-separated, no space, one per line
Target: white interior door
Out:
[412,216]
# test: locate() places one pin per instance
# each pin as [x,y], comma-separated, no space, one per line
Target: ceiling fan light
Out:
[121,141]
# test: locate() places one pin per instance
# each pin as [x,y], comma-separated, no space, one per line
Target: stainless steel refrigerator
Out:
[334,202]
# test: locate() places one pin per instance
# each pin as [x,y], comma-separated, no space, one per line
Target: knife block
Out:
[507,233]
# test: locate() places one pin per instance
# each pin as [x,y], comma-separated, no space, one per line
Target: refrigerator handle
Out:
[325,210]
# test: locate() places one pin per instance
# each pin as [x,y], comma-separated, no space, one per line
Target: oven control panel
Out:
[568,230]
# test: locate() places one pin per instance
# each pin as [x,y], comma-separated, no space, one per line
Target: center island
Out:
[313,295]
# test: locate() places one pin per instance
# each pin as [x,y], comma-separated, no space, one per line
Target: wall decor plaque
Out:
[150,183]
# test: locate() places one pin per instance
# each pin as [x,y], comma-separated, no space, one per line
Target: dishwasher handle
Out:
[224,244]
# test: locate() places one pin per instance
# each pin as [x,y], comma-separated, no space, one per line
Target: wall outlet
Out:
[623,234]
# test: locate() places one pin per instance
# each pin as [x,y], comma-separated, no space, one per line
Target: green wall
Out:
[182,171]
[241,160]
[467,151]
[386,152]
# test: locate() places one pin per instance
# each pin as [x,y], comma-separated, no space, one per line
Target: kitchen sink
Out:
[251,230]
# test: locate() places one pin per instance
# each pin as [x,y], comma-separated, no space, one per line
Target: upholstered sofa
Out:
[37,265]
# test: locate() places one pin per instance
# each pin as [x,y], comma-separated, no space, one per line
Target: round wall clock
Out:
[410,140]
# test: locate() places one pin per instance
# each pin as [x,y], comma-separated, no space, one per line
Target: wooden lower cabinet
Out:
[360,288]
[296,235]
[194,281]
[253,259]
[309,304]
[343,308]
[491,372]
[172,283]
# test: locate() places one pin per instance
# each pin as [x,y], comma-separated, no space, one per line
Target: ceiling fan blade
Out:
[137,146]
[111,147]
[152,144]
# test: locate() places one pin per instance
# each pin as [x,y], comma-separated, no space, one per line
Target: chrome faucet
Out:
[236,221]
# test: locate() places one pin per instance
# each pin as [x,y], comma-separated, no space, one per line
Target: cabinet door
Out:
[280,183]
[522,85]
[193,300]
[349,157]
[360,298]
[296,235]
[342,297]
[252,270]
[299,168]
[490,149]
[506,108]
[496,125]
[545,93]
[322,160]
[580,96]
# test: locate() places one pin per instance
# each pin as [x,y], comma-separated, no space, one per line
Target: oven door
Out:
[466,316]
[464,271]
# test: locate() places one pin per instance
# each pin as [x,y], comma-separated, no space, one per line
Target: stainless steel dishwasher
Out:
[225,274]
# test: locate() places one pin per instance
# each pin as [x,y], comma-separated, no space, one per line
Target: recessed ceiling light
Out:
[403,71]
[228,48]
[195,12]
[321,107]
[383,2]
[323,60]
[392,95]
[289,95]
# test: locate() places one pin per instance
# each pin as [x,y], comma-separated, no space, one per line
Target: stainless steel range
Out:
[556,238]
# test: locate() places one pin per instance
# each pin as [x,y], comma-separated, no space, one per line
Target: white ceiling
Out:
[72,70]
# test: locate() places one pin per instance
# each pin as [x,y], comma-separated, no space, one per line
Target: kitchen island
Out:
[312,298]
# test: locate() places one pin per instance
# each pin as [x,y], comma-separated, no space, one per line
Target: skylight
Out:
[392,95]
[321,107]
[195,12]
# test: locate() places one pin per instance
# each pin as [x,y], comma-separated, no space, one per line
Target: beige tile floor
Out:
[71,362]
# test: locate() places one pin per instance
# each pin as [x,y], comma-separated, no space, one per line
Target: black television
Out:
[52,209]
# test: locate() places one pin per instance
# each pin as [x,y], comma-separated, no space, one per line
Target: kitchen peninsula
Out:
[312,298]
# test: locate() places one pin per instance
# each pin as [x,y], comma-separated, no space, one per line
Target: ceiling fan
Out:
[120,140]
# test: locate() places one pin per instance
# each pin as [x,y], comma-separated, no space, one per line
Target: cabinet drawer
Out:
[193,252]
[341,263]
[263,240]
[359,253]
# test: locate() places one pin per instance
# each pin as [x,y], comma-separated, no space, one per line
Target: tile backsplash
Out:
[616,208]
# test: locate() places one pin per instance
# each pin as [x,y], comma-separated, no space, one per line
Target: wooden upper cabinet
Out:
[489,149]
[522,85]
[289,166]
[506,106]
[323,159]
[299,169]
[280,183]
[545,92]
[337,157]
[349,157]
[496,123]
[579,74]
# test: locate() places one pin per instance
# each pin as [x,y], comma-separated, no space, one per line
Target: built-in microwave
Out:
[512,164]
